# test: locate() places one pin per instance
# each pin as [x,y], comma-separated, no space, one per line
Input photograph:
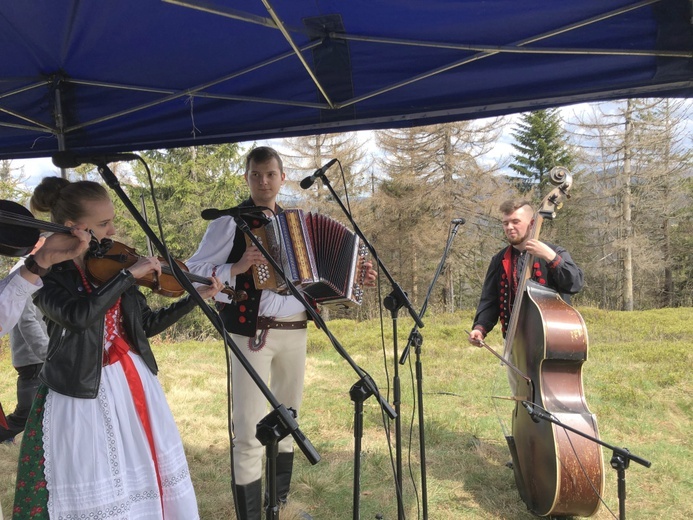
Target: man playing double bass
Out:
[553,267]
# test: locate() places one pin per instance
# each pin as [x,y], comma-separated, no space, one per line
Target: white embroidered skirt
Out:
[98,462]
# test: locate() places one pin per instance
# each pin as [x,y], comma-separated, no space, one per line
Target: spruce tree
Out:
[540,146]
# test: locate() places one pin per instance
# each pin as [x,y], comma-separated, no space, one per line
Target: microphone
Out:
[320,172]
[238,211]
[72,160]
[534,414]
[458,221]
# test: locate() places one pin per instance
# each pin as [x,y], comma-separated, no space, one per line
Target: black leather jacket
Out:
[75,323]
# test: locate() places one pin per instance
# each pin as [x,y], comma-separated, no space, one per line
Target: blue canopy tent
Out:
[114,76]
[141,74]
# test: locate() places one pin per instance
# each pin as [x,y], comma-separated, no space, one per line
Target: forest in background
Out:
[628,222]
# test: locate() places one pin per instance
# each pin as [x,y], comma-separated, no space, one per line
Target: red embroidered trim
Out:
[554,263]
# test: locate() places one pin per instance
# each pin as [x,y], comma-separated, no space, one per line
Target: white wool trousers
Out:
[279,358]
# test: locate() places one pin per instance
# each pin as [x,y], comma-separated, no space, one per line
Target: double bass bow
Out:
[556,473]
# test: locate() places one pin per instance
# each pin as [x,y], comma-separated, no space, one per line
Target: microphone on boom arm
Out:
[320,172]
[72,160]
[458,221]
[239,211]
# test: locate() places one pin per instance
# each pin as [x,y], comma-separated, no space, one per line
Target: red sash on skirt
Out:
[119,352]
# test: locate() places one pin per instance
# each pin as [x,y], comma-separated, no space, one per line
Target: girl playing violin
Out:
[101,441]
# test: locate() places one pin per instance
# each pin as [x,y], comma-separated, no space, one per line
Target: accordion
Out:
[318,255]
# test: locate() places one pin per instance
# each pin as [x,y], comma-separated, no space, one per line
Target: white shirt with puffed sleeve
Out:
[14,291]
[211,256]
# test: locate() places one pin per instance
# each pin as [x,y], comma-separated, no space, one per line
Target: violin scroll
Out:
[559,175]
[99,249]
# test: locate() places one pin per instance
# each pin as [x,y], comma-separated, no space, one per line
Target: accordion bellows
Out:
[319,255]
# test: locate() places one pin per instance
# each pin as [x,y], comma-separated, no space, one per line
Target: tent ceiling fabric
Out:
[143,74]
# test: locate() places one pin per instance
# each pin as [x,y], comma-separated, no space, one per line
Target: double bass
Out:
[557,472]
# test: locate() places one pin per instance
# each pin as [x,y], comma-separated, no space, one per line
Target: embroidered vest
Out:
[241,317]
[508,283]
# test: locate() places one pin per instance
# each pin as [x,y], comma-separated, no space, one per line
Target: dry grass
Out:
[637,383]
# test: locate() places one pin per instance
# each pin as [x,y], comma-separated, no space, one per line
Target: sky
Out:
[35,169]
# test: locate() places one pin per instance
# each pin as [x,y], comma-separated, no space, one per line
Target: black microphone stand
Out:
[393,302]
[282,421]
[269,432]
[416,339]
[619,461]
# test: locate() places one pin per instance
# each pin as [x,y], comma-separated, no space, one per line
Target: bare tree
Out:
[306,154]
[635,164]
[434,174]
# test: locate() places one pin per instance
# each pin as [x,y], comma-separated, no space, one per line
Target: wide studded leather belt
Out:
[264,322]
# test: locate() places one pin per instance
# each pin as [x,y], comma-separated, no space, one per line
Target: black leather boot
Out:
[249,498]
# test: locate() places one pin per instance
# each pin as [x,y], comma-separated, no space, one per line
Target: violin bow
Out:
[519,372]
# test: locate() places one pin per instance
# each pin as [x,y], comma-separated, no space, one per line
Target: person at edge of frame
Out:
[28,347]
[22,282]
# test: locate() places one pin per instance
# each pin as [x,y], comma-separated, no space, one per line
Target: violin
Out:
[104,266]
[556,473]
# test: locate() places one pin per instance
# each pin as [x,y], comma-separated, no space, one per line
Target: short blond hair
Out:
[512,205]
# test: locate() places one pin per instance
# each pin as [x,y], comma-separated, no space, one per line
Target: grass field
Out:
[637,381]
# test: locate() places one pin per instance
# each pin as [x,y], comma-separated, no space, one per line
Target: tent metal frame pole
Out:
[273,22]
[236,14]
[59,118]
[512,49]
[299,55]
[38,124]
[195,91]
[482,55]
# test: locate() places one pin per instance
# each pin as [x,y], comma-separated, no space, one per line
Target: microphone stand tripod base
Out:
[358,393]
[270,430]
